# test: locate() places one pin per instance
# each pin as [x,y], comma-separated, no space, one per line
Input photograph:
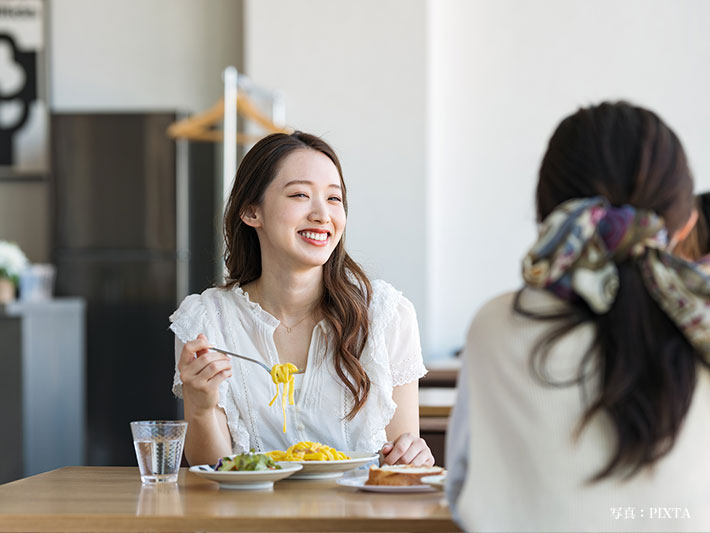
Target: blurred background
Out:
[440,111]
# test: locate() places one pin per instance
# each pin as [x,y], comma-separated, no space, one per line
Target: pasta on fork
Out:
[283,374]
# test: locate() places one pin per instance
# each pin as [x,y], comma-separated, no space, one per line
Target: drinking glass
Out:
[158,445]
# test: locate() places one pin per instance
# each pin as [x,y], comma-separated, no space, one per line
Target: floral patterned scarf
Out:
[580,244]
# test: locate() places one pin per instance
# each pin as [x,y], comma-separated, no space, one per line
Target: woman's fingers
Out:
[213,368]
[407,449]
[218,378]
[202,372]
[399,448]
[423,458]
[204,350]
[207,361]
[193,348]
[416,446]
[198,365]
[386,448]
[203,369]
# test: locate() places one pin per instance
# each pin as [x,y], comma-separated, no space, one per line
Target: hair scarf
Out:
[581,242]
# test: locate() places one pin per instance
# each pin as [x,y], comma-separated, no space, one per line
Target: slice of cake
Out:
[401,475]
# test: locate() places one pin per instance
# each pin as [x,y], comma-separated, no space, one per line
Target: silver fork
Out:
[262,365]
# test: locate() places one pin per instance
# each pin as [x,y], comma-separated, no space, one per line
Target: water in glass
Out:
[159,449]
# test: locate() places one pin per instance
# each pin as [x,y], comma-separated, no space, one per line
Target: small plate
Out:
[437,481]
[331,469]
[359,483]
[246,480]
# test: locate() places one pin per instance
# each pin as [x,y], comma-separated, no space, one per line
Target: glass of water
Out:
[159,446]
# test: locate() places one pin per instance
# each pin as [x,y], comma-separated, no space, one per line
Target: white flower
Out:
[12,261]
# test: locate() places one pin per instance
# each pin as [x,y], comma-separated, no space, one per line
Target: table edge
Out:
[177,524]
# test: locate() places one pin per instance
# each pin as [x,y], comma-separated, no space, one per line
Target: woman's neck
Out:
[289,296]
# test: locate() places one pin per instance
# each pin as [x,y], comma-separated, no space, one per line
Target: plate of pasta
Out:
[319,461]
[246,471]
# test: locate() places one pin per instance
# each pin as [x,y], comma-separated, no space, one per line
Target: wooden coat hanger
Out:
[198,127]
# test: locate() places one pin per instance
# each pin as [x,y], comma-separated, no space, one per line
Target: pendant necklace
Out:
[289,328]
[281,322]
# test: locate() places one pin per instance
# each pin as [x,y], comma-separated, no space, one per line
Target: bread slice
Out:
[401,475]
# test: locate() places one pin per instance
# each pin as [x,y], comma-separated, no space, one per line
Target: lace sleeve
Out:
[404,347]
[194,316]
[187,323]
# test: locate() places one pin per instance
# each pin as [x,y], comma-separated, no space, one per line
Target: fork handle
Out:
[225,352]
[262,365]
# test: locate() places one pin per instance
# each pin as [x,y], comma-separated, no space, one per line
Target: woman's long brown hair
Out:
[648,369]
[347,291]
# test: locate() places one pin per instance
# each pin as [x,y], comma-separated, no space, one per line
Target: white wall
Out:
[141,54]
[439,109]
[355,73]
[129,55]
[503,73]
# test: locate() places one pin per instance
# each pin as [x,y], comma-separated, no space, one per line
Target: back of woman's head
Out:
[647,368]
[622,152]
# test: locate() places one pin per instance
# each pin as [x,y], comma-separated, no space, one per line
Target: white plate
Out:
[246,480]
[359,483]
[331,469]
[437,481]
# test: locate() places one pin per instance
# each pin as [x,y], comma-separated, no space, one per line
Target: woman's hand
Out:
[406,450]
[202,372]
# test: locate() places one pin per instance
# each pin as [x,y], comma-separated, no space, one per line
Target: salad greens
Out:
[246,461]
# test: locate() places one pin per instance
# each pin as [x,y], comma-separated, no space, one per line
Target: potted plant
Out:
[12,263]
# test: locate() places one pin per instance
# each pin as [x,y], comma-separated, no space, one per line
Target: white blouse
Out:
[230,320]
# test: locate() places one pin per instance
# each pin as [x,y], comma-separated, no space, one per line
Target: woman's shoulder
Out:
[382,290]
[502,335]
[197,301]
[501,307]
[389,308]
[385,296]
[216,300]
[495,306]
[190,318]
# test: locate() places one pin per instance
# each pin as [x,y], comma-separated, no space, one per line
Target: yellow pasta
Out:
[308,451]
[283,374]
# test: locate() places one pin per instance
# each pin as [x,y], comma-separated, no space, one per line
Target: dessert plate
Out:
[437,481]
[359,483]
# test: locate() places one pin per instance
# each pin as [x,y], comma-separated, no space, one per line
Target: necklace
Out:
[289,328]
[281,322]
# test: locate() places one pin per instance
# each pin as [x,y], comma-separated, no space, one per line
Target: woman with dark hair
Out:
[293,295]
[584,398]
[696,246]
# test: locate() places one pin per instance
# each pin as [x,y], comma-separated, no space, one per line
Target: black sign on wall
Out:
[24,117]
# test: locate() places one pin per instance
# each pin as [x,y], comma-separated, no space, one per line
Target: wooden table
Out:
[113,499]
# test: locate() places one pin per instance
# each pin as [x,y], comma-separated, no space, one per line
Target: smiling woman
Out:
[301,215]
[294,295]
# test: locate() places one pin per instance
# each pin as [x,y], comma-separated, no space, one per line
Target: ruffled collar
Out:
[261,314]
[256,310]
